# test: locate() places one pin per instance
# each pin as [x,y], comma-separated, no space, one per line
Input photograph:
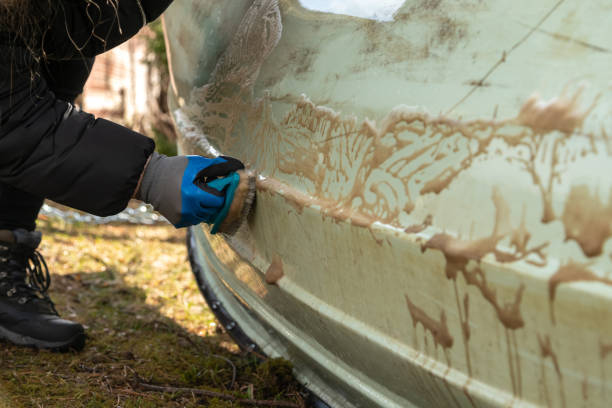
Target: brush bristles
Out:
[241,205]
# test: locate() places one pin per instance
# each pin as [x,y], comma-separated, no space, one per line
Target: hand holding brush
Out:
[189,190]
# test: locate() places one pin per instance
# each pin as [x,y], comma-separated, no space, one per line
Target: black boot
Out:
[27,315]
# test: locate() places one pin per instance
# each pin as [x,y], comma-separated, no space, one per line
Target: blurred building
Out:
[124,85]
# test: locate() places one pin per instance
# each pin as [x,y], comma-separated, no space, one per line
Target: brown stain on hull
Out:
[464,317]
[466,392]
[459,254]
[570,272]
[561,114]
[587,220]
[365,154]
[604,350]
[465,328]
[275,271]
[378,167]
[546,351]
[414,229]
[375,169]
[438,329]
[370,150]
[299,200]
[511,366]
[519,240]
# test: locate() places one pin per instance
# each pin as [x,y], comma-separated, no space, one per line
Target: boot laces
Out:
[25,274]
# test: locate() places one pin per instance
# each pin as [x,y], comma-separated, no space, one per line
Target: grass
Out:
[147,325]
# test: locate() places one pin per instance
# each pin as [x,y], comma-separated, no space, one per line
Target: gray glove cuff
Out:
[161,185]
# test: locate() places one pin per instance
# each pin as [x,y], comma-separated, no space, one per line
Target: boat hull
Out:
[433,212]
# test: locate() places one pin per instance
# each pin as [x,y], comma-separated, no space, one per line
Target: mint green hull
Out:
[434,200]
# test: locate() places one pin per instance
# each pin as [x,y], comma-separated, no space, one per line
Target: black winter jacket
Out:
[49,149]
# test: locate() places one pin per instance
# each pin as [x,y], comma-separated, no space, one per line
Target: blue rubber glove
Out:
[180,187]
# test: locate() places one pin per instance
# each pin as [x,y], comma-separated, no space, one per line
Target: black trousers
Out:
[19,209]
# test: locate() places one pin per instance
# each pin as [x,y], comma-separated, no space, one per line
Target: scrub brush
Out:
[239,189]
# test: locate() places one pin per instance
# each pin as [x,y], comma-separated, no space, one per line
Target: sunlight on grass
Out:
[147,323]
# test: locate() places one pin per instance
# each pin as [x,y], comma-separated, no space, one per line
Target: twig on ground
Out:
[126,391]
[214,394]
[227,360]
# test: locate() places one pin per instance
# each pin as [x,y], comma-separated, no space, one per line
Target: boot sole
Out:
[76,342]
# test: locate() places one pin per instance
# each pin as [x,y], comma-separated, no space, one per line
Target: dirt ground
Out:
[152,341]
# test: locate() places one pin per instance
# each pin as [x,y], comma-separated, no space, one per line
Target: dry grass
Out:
[147,323]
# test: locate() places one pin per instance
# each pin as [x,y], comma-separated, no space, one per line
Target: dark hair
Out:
[25,22]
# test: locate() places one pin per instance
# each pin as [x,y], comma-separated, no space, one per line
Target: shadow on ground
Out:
[143,330]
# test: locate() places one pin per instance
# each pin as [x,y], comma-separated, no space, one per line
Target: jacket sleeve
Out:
[49,149]
[87,28]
